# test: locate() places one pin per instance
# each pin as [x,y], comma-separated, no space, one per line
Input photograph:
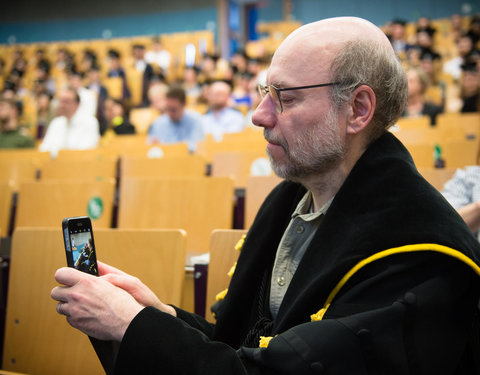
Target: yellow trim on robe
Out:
[383,254]
[380,255]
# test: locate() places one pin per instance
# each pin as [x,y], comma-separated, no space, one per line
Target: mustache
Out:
[273,138]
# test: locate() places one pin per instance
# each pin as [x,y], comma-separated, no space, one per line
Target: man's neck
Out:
[326,185]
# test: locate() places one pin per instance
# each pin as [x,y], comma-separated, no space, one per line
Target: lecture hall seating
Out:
[46,203]
[222,257]
[197,205]
[37,339]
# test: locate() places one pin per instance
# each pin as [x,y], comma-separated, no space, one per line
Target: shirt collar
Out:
[303,208]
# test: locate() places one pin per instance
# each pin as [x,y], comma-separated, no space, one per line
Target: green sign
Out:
[95,207]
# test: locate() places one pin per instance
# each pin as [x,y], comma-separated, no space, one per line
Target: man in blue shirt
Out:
[177,124]
[221,118]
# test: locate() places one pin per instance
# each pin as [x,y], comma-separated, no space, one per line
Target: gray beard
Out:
[328,151]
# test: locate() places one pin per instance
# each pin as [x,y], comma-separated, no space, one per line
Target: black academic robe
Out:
[412,312]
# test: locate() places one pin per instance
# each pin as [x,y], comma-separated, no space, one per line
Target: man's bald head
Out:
[352,52]
[219,95]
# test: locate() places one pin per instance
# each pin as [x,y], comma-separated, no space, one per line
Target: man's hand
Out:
[93,305]
[134,287]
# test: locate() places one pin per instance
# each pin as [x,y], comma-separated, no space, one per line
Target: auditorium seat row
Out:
[39,341]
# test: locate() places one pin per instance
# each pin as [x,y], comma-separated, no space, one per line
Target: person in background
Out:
[424,24]
[221,118]
[116,117]
[159,56]
[42,73]
[12,135]
[456,26]
[95,85]
[474,29]
[466,54]
[89,61]
[241,90]
[44,112]
[463,192]
[397,37]
[208,68]
[190,83]
[88,99]
[143,67]
[157,96]
[417,106]
[177,124]
[116,70]
[470,88]
[72,129]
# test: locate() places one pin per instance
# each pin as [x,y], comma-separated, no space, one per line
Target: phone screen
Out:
[83,252]
[80,246]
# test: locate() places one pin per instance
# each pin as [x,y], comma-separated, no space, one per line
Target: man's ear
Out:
[363,106]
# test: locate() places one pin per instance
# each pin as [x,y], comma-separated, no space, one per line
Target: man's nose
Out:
[265,115]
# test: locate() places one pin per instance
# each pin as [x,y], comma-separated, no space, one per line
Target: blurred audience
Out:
[191,84]
[463,192]
[72,129]
[397,37]
[44,112]
[116,70]
[116,117]
[88,99]
[466,54]
[94,84]
[12,135]
[143,67]
[470,88]
[221,118]
[228,88]
[456,26]
[159,56]
[417,106]
[157,96]
[177,124]
[474,29]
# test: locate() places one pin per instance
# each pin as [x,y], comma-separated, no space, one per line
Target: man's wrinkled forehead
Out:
[312,47]
[301,60]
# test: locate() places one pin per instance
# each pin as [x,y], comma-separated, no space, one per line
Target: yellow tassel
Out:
[220,296]
[232,270]
[264,341]
[319,315]
[240,242]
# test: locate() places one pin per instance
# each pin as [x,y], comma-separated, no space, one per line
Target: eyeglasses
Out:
[275,92]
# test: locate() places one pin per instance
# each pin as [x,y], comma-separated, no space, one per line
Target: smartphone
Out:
[79,244]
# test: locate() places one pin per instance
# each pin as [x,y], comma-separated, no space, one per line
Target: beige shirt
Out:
[298,235]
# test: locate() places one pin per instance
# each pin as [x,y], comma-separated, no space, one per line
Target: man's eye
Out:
[287,100]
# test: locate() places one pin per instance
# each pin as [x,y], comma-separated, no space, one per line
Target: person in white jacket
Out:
[72,129]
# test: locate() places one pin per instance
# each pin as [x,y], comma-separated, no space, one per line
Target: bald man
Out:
[221,118]
[354,264]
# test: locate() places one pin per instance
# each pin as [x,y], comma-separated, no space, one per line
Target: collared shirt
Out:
[81,132]
[295,241]
[227,120]
[463,188]
[15,139]
[187,129]
[161,58]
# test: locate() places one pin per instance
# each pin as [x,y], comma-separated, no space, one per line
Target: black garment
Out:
[407,313]
[471,104]
[148,75]
[431,110]
[121,126]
